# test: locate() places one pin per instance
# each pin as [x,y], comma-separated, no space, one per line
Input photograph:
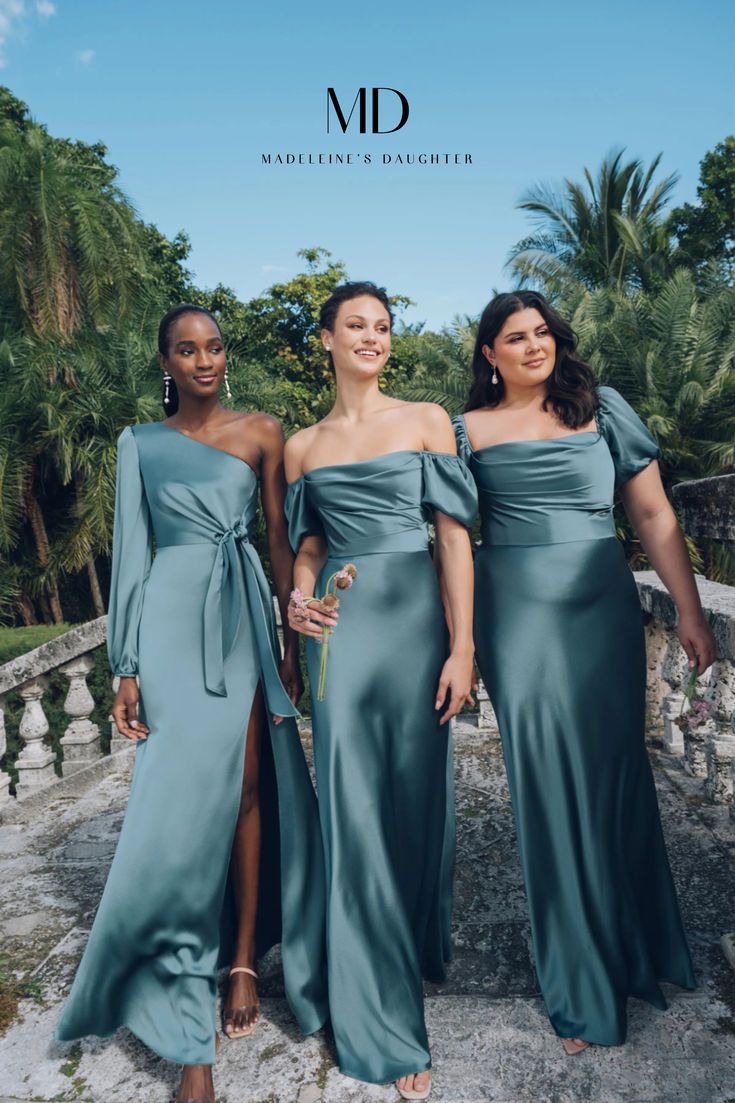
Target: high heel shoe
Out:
[412,1093]
[245,1031]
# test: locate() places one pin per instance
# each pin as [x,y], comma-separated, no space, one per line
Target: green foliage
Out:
[606,232]
[17,641]
[705,232]
[83,283]
[443,370]
[12,990]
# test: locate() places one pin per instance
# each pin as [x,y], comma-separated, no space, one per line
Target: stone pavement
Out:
[490,1037]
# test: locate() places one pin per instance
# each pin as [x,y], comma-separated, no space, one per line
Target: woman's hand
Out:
[695,636]
[455,681]
[291,678]
[125,711]
[312,619]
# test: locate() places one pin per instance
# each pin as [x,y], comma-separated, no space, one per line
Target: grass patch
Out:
[16,641]
[12,991]
[272,1051]
[71,1064]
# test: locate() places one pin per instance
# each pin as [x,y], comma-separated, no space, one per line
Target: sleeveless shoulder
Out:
[464,448]
[303,519]
[631,445]
[448,487]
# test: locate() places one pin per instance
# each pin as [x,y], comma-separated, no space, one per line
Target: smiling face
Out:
[524,351]
[360,340]
[195,356]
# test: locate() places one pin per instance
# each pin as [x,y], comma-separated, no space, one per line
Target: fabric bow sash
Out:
[237,577]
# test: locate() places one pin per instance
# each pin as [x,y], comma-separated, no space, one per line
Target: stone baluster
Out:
[35,763]
[673,707]
[4,778]
[81,740]
[486,720]
[720,746]
[656,687]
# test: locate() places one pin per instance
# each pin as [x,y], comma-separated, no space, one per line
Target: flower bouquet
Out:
[697,714]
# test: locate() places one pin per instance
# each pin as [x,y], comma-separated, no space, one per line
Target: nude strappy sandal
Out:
[233,1034]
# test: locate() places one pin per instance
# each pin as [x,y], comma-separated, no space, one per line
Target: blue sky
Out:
[187,97]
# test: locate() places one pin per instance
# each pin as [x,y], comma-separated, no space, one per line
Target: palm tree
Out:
[444,370]
[605,232]
[84,395]
[69,249]
[672,354]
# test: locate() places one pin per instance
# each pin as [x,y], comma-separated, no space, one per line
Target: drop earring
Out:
[228,392]
[494,378]
[166,388]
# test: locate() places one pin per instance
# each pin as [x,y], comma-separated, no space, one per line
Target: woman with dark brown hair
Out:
[559,638]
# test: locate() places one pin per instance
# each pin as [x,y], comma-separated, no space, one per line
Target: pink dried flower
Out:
[343,580]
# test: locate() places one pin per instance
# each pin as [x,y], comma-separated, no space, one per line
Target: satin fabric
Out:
[195,622]
[559,639]
[383,762]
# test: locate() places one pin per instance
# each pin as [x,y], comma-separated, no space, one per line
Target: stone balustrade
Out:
[73,655]
[705,749]
[702,739]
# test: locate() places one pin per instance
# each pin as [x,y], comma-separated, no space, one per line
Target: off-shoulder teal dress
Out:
[383,762]
[559,640]
[195,623]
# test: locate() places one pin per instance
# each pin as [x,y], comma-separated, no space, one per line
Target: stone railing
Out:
[704,742]
[705,750]
[73,655]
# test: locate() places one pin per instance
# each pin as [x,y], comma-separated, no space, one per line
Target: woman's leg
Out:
[196,1083]
[241,1005]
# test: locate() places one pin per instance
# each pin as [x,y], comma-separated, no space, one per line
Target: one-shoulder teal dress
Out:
[559,640]
[195,623]
[383,762]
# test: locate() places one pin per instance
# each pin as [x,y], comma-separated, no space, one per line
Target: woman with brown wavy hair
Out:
[559,639]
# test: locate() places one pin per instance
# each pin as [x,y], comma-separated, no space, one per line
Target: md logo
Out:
[334,109]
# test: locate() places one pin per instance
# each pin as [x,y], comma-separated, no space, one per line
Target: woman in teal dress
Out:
[194,623]
[559,639]
[362,484]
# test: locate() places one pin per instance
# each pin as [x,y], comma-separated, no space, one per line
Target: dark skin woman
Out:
[196,364]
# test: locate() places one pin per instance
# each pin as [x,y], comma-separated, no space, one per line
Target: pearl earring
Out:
[228,392]
[494,379]
[166,386]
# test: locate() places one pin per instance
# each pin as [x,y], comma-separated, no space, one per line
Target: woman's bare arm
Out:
[653,519]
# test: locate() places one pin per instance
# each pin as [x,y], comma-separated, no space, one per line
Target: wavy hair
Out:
[571,387]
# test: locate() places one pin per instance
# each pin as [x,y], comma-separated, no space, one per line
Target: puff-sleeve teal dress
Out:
[559,639]
[383,762]
[195,623]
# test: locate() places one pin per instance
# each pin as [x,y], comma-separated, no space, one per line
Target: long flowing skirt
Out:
[383,770]
[152,956]
[559,639]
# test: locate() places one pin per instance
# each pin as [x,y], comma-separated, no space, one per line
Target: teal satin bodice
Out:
[203,503]
[379,505]
[558,490]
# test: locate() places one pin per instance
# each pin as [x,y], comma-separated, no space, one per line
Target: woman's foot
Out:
[242,1006]
[415,1086]
[196,1085]
[572,1046]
